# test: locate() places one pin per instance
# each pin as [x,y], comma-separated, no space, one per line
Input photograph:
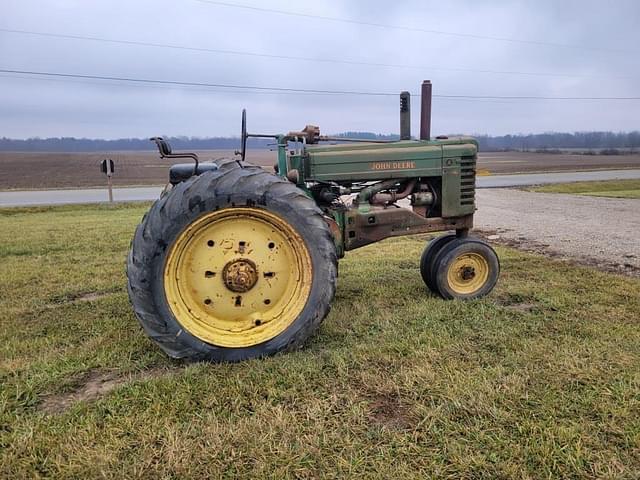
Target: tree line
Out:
[558,140]
[529,142]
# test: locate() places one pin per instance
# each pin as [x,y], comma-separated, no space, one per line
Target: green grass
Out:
[539,380]
[605,188]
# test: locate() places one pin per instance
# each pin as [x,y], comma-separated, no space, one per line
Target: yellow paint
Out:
[468,273]
[483,173]
[211,247]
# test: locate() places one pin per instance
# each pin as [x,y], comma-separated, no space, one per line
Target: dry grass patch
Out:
[605,188]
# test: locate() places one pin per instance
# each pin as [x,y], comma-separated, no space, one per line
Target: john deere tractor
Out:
[235,261]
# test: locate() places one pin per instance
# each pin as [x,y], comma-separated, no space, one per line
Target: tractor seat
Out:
[163,146]
[184,171]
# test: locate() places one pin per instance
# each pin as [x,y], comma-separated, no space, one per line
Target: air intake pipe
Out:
[425,111]
[405,116]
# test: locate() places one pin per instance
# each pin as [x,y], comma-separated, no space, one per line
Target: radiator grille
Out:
[467,180]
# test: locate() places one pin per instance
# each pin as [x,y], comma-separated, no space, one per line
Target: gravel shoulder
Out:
[602,232]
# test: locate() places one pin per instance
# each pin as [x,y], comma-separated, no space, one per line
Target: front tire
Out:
[230,265]
[466,269]
[428,255]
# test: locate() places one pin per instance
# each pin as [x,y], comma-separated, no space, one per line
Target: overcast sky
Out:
[602,59]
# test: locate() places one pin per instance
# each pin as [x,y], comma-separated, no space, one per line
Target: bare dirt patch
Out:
[90,297]
[80,297]
[518,303]
[522,307]
[91,386]
[387,410]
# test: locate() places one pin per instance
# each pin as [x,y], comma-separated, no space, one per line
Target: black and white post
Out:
[107,167]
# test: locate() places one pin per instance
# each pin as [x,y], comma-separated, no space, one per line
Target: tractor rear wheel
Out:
[426,261]
[230,265]
[465,269]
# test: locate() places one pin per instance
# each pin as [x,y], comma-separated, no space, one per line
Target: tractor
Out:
[236,262]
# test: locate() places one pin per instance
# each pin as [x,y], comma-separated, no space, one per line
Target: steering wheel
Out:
[243,135]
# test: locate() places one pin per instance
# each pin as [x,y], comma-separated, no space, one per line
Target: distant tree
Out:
[547,140]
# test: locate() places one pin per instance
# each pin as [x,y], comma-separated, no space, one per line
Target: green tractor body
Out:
[235,262]
[441,172]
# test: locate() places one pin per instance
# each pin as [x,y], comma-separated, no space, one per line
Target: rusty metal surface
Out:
[336,232]
[240,276]
[425,111]
[363,228]
[310,133]
[393,196]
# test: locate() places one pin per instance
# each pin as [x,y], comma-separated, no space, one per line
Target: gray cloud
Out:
[33,107]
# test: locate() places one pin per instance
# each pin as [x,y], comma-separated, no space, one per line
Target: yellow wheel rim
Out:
[237,277]
[468,273]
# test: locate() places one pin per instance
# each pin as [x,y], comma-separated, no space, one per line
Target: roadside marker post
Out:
[107,167]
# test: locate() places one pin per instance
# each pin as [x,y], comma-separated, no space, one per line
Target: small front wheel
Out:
[465,269]
[428,255]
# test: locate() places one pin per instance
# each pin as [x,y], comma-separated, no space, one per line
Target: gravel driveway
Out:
[599,231]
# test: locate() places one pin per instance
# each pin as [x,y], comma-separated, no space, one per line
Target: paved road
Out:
[495,181]
[595,230]
[90,195]
[57,197]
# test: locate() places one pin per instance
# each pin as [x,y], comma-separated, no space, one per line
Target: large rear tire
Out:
[230,265]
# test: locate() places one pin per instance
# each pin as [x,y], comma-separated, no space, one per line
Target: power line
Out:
[103,82]
[293,57]
[193,84]
[408,28]
[206,89]
[209,90]
[293,90]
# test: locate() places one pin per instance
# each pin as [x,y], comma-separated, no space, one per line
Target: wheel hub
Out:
[237,277]
[468,272]
[240,276]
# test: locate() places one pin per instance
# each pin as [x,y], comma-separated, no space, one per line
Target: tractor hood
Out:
[371,161]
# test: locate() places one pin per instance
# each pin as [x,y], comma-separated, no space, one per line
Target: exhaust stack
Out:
[405,116]
[425,111]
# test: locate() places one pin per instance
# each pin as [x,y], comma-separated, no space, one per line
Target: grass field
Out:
[539,380]
[605,188]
